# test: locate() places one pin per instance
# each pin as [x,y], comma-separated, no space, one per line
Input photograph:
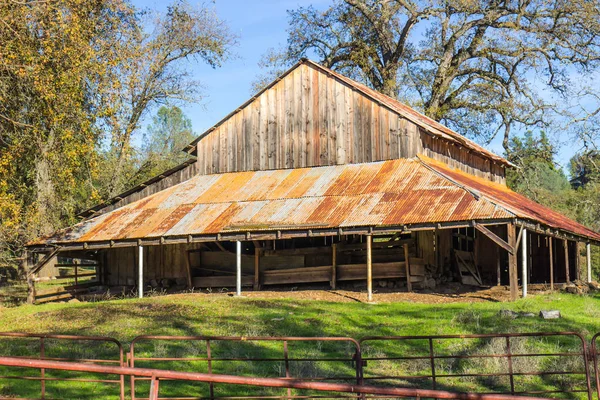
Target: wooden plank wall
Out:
[307,119]
[166,261]
[458,157]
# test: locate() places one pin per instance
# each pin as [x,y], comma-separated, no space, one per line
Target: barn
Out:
[318,179]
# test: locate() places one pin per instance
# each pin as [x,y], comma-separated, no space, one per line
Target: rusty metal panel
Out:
[386,193]
[511,201]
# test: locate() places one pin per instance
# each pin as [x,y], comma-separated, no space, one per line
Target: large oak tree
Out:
[479,66]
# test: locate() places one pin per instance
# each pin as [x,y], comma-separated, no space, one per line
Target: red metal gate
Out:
[304,359]
[515,364]
[83,349]
[595,356]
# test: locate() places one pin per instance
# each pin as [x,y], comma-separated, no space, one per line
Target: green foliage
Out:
[537,175]
[476,66]
[77,79]
[169,132]
[585,168]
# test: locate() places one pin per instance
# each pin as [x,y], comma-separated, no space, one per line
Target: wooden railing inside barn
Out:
[64,281]
[395,259]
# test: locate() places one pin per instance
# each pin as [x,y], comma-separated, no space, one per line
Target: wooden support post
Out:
[436,249]
[551,248]
[76,272]
[238,268]
[512,263]
[525,259]
[27,265]
[369,269]
[188,269]
[498,267]
[140,272]
[407,268]
[577,261]
[333,282]
[566,248]
[256,267]
[588,259]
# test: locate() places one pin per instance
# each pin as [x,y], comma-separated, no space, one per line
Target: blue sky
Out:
[260,25]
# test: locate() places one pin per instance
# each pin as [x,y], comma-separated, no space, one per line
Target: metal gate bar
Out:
[160,375]
[595,356]
[350,359]
[43,339]
[509,355]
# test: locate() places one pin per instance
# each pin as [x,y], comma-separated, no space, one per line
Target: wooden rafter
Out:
[43,262]
[495,238]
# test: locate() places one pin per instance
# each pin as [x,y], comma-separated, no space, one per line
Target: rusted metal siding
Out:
[388,193]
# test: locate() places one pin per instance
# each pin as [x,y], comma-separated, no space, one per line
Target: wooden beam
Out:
[495,238]
[26,262]
[333,282]
[566,248]
[524,262]
[498,267]
[518,241]
[188,269]
[577,260]
[512,263]
[407,268]
[256,267]
[551,249]
[43,262]
[588,258]
[238,268]
[369,269]
[140,271]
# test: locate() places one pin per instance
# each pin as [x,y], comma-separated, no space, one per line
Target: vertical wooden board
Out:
[396,127]
[315,138]
[349,118]
[271,128]
[231,144]
[280,112]
[375,136]
[263,121]
[332,122]
[242,137]
[238,138]
[216,142]
[200,154]
[340,125]
[357,146]
[289,120]
[307,115]
[222,135]
[298,122]
[304,114]
[324,124]
[255,135]
[384,132]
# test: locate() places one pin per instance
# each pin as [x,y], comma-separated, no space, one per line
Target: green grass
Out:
[220,315]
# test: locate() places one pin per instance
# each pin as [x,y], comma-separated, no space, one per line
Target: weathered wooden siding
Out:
[159,262]
[307,119]
[459,157]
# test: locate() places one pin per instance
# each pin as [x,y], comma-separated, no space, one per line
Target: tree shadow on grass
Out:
[255,317]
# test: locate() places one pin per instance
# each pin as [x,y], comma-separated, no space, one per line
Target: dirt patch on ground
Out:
[452,294]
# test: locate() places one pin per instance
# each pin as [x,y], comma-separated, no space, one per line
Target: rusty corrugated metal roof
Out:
[388,193]
[516,203]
